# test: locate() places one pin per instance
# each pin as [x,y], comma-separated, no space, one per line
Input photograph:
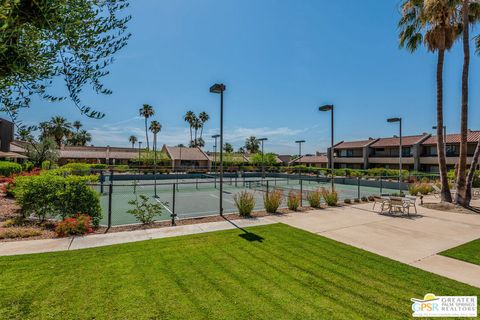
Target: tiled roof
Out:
[354,144]
[395,141]
[11,155]
[91,152]
[312,159]
[473,137]
[184,153]
[285,158]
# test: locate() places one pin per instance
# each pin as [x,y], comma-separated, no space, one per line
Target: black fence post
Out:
[301,192]
[358,187]
[267,188]
[173,215]
[102,180]
[381,185]
[110,192]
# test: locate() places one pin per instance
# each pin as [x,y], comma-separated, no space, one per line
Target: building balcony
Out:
[348,159]
[389,160]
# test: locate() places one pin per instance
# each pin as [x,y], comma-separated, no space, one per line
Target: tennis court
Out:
[200,197]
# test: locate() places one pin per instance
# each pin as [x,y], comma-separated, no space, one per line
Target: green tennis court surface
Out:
[200,197]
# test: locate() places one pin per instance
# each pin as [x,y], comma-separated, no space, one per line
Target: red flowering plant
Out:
[8,183]
[81,224]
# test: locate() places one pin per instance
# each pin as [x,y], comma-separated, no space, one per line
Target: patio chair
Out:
[382,201]
[409,202]
[397,204]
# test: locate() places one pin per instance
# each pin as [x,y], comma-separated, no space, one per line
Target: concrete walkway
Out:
[98,240]
[414,241]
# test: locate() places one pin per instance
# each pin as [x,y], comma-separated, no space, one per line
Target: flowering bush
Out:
[75,226]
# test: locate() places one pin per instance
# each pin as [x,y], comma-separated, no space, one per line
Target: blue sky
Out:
[280,60]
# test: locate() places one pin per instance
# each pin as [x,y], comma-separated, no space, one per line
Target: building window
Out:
[452,150]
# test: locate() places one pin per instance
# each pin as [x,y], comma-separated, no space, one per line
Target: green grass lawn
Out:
[274,272]
[469,252]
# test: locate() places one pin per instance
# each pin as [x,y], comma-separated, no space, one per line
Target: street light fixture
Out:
[300,147]
[324,108]
[444,138]
[263,162]
[219,88]
[216,136]
[399,120]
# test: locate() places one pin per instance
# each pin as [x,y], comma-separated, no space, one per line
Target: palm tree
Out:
[189,117]
[59,129]
[155,127]
[77,125]
[146,111]
[83,137]
[24,133]
[435,24]
[204,117]
[252,144]
[133,139]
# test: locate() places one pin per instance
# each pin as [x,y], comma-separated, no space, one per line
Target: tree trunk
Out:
[461,198]
[446,196]
[146,134]
[471,172]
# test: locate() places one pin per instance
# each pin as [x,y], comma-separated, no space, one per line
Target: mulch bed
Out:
[451,207]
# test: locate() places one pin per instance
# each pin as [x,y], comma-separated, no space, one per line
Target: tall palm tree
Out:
[77,125]
[59,129]
[436,25]
[133,139]
[204,117]
[146,111]
[189,117]
[155,128]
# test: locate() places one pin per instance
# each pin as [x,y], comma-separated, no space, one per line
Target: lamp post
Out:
[399,120]
[263,159]
[219,88]
[444,138]
[329,107]
[299,154]
[215,160]
[155,164]
[139,150]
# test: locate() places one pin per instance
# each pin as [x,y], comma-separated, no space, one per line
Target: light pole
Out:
[263,159]
[215,160]
[139,150]
[329,107]
[155,163]
[219,88]
[444,138]
[399,120]
[299,153]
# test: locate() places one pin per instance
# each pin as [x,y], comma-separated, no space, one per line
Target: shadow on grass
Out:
[246,235]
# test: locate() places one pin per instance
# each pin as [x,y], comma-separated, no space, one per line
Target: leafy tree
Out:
[146,111]
[80,138]
[133,139]
[252,144]
[269,159]
[25,133]
[45,150]
[228,148]
[48,39]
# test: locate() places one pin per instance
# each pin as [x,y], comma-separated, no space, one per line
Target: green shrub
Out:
[51,195]
[8,168]
[364,199]
[314,198]
[330,197]
[420,188]
[245,202]
[48,165]
[347,201]
[272,200]
[27,166]
[294,199]
[99,166]
[145,211]
[356,200]
[79,169]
